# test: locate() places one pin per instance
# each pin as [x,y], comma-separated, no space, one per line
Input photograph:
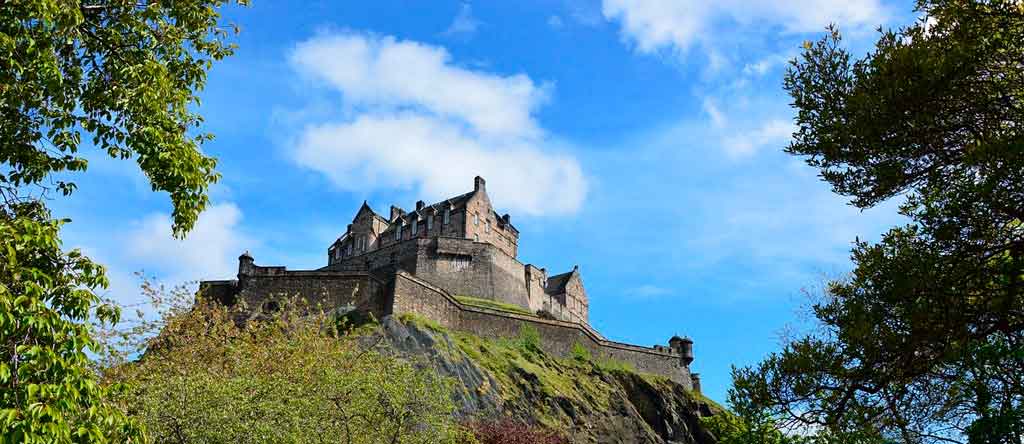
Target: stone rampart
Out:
[417,296]
[263,289]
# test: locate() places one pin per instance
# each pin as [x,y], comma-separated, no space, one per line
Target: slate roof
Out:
[556,283]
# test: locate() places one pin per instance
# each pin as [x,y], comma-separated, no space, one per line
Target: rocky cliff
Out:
[589,400]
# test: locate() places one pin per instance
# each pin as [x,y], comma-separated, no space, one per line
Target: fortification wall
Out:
[267,288]
[469,268]
[417,296]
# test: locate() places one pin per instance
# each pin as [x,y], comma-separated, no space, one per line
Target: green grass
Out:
[493,305]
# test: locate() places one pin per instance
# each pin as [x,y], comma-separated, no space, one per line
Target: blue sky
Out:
[639,139]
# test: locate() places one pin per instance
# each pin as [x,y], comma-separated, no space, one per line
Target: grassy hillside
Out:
[587,399]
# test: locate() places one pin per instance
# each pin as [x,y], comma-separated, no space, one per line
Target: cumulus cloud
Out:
[382,72]
[420,120]
[210,251]
[653,25]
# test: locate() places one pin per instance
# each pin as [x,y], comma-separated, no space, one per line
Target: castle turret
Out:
[683,346]
[246,264]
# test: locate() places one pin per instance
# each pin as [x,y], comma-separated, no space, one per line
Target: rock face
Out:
[592,402]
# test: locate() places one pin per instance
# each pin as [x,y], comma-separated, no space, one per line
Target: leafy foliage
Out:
[124,75]
[287,378]
[123,72]
[47,390]
[924,342]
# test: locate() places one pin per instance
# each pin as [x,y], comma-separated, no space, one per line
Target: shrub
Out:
[284,378]
[507,431]
[580,353]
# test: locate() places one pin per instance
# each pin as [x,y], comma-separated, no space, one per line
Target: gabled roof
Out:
[365,208]
[556,283]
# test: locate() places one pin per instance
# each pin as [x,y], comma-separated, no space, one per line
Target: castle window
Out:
[476,237]
[487,227]
[447,216]
[430,222]
[398,232]
[415,226]
[476,219]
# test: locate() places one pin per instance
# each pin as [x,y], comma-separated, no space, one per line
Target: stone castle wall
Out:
[461,266]
[416,296]
[263,289]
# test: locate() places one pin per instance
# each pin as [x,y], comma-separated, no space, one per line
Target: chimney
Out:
[506,219]
[420,205]
[396,213]
[479,183]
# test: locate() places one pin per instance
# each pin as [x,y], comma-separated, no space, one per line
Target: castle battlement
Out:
[425,260]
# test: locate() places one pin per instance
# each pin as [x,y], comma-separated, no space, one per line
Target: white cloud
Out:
[422,121]
[382,72]
[210,250]
[775,133]
[653,25]
[405,150]
[464,23]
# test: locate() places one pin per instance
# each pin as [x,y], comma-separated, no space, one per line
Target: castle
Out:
[455,262]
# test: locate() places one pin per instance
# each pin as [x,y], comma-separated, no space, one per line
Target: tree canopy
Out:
[115,76]
[924,341]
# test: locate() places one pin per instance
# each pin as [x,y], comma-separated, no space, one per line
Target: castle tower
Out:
[683,346]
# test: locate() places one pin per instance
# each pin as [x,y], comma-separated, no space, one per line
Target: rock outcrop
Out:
[591,402]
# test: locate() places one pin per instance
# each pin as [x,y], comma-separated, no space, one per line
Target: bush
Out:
[580,353]
[507,431]
[285,378]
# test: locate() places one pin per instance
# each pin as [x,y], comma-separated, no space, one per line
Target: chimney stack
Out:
[396,213]
[420,205]
[506,219]
[479,183]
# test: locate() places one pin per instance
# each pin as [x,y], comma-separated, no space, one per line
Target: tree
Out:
[289,377]
[924,342]
[125,75]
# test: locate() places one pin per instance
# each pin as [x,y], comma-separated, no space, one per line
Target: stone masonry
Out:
[422,261]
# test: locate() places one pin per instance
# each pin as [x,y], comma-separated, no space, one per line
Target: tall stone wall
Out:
[417,296]
[263,289]
[469,268]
